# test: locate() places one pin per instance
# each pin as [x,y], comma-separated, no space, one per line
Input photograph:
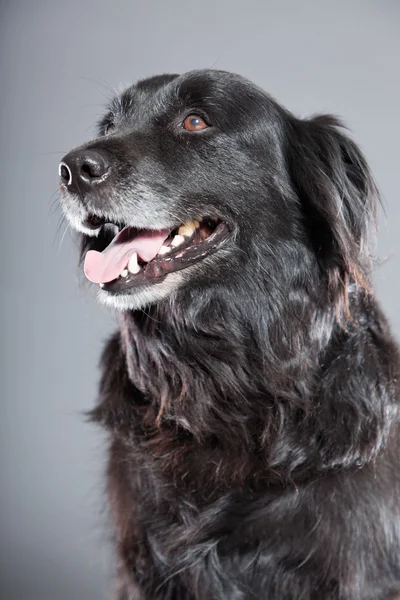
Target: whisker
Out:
[54,207]
[73,238]
[54,202]
[61,221]
[112,89]
[52,152]
[62,239]
[103,85]
[92,106]
[215,62]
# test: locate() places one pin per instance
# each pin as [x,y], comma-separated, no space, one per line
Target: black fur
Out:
[254,412]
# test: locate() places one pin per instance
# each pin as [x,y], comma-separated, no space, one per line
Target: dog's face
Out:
[194,178]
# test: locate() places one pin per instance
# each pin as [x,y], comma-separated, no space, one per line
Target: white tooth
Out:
[178,240]
[133,264]
[188,227]
[193,224]
[164,250]
[124,273]
[185,230]
[101,285]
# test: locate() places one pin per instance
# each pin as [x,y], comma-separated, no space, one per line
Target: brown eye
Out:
[194,123]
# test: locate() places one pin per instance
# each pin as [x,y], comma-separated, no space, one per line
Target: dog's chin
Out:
[143,296]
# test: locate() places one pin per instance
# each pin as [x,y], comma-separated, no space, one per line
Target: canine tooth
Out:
[178,240]
[185,230]
[188,227]
[101,285]
[124,273]
[133,264]
[164,250]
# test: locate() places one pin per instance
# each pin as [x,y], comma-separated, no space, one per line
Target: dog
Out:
[251,391]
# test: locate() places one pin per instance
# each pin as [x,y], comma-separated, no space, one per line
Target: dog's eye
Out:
[194,123]
[109,128]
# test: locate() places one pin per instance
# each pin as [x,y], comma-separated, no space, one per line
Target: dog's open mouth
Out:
[137,257]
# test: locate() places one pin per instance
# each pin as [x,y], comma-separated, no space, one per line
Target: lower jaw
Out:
[140,297]
[156,271]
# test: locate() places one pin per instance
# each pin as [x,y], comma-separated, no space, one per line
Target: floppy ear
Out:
[338,198]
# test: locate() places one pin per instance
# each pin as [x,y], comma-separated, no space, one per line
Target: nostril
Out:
[65,173]
[93,167]
[89,170]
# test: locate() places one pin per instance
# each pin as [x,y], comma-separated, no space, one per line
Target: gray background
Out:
[57,60]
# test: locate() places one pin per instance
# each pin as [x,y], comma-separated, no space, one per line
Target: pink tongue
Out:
[101,267]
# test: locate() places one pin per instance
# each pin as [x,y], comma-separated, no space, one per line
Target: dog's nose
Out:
[80,170]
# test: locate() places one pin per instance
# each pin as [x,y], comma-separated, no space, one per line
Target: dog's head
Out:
[202,178]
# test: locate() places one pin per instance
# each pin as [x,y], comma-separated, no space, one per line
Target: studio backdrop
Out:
[59,63]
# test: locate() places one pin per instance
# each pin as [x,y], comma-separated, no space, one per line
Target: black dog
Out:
[251,393]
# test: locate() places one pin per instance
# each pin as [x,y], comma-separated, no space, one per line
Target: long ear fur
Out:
[338,197]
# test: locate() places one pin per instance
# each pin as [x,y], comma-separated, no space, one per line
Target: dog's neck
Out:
[202,354]
[205,367]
